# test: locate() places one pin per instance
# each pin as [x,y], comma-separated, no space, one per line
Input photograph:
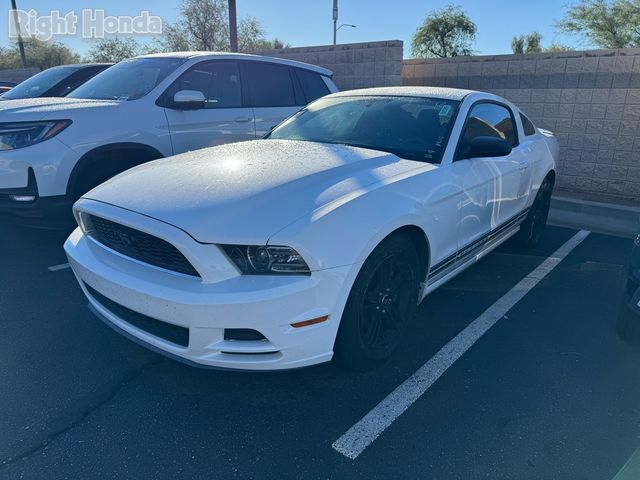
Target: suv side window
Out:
[218,81]
[488,120]
[527,125]
[270,85]
[312,85]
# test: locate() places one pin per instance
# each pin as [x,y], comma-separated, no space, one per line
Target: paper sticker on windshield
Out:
[445,110]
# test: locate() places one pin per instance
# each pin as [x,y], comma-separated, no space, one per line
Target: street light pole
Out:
[335,20]
[20,42]
[233,26]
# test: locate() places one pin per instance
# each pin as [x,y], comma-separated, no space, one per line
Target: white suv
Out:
[52,150]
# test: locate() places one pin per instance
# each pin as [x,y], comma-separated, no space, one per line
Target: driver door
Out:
[223,119]
[492,186]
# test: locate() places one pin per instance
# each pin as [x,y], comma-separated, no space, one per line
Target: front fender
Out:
[347,234]
[346,231]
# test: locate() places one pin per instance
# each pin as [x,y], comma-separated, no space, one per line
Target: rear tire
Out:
[383,299]
[533,225]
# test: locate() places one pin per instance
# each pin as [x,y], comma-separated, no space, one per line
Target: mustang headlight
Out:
[266,260]
[22,134]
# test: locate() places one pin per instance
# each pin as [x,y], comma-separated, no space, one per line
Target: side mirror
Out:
[188,100]
[481,147]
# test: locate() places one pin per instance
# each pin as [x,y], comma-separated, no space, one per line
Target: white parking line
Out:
[62,266]
[363,433]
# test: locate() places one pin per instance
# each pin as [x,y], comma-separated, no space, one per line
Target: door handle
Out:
[243,119]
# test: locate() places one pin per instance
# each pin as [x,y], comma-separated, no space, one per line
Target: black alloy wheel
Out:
[383,299]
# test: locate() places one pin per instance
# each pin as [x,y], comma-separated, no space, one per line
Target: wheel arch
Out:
[146,153]
[420,241]
[551,175]
[410,230]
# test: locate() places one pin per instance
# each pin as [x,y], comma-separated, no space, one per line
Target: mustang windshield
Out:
[127,80]
[415,128]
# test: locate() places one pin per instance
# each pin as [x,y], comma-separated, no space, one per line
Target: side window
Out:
[77,79]
[489,120]
[269,85]
[527,125]
[219,82]
[312,85]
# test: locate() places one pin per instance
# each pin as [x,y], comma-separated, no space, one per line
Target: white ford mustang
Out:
[318,241]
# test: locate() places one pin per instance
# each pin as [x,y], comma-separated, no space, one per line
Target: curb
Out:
[609,218]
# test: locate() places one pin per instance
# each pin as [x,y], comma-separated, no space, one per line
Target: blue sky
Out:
[308,22]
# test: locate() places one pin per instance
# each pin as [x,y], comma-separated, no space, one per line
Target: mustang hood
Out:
[33,109]
[246,192]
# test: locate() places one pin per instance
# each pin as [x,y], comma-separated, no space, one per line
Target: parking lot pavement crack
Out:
[104,399]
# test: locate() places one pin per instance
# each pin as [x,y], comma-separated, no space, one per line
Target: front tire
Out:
[383,299]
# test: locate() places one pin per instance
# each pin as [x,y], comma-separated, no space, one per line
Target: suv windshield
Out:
[415,128]
[39,83]
[128,80]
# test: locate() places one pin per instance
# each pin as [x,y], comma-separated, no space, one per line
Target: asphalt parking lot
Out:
[548,392]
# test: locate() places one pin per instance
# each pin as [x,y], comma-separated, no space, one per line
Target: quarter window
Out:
[527,126]
[219,82]
[270,85]
[312,85]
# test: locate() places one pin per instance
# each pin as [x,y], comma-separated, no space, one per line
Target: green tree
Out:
[527,43]
[447,32]
[250,35]
[113,50]
[204,25]
[39,54]
[604,23]
[532,43]
[278,44]
[558,47]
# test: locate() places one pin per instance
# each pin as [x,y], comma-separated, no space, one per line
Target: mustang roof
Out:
[435,92]
[240,56]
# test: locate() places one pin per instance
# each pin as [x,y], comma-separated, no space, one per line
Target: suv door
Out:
[492,186]
[222,119]
[274,93]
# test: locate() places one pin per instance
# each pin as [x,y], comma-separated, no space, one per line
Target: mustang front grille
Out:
[138,245]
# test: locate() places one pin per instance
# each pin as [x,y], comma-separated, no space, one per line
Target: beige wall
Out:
[17,75]
[590,100]
[354,65]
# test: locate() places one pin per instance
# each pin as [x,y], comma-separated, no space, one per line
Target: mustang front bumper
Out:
[157,308]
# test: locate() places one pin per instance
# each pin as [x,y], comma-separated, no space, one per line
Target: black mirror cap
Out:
[485,146]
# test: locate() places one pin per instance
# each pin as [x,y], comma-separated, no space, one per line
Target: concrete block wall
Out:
[354,65]
[17,75]
[590,100]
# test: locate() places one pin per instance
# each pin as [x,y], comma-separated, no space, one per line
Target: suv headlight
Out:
[22,134]
[266,260]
